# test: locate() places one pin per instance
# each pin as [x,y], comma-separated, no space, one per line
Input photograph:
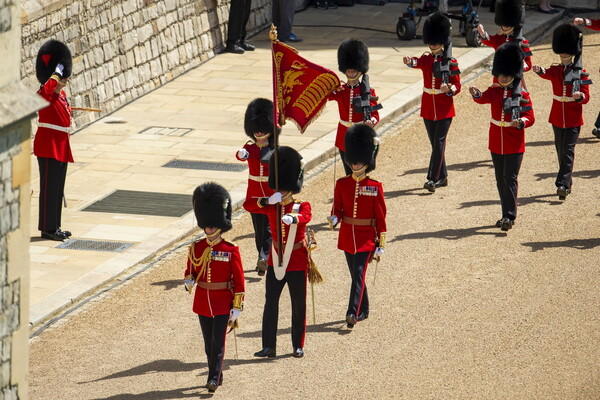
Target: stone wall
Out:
[10,287]
[123,49]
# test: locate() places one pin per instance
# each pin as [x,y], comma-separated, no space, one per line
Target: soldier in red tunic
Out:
[507,134]
[593,24]
[51,143]
[258,124]
[441,82]
[359,205]
[353,61]
[291,265]
[509,15]
[570,89]
[214,266]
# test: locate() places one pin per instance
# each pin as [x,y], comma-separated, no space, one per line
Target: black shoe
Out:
[441,183]
[67,233]
[57,235]
[562,192]
[507,223]
[261,267]
[212,385]
[499,223]
[362,316]
[321,6]
[331,5]
[266,352]
[298,352]
[293,38]
[596,132]
[430,185]
[247,46]
[233,48]
[350,321]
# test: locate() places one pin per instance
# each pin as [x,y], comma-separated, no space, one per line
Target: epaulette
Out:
[426,53]
[250,142]
[555,64]
[374,180]
[230,242]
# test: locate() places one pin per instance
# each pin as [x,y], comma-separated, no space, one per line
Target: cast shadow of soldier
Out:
[579,244]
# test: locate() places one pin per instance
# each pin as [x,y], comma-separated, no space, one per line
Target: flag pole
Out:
[276,117]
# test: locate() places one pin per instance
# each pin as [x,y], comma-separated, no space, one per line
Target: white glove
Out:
[59,69]
[243,154]
[378,251]
[234,315]
[188,284]
[287,219]
[333,221]
[274,198]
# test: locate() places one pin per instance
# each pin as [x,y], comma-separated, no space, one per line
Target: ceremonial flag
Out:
[300,87]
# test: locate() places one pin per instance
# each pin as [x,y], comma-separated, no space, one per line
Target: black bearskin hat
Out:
[353,54]
[212,206]
[49,56]
[362,146]
[567,39]
[259,118]
[509,13]
[508,60]
[291,170]
[437,29]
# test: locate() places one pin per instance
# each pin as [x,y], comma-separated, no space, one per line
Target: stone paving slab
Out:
[210,100]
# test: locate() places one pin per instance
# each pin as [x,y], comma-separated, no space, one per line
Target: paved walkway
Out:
[204,110]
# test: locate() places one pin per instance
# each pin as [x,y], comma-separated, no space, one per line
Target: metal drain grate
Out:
[143,203]
[94,245]
[206,165]
[165,131]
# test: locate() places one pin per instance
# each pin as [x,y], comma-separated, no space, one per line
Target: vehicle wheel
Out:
[473,38]
[406,29]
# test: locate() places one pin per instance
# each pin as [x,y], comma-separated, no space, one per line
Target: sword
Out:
[235,342]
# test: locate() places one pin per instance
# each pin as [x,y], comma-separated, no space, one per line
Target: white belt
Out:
[501,124]
[432,91]
[258,178]
[66,129]
[347,124]
[564,99]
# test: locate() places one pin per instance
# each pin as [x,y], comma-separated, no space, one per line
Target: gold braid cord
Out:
[201,261]
[314,275]
[382,239]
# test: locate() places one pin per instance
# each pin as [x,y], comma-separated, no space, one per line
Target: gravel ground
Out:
[459,309]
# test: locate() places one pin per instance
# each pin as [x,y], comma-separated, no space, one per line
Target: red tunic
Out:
[505,140]
[299,257]
[438,106]
[52,143]
[344,99]
[496,41]
[360,200]
[225,266]
[565,114]
[258,176]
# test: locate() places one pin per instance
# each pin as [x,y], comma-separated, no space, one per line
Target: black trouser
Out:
[437,132]
[359,299]
[347,168]
[296,281]
[565,140]
[214,331]
[53,174]
[507,168]
[239,12]
[283,17]
[262,235]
